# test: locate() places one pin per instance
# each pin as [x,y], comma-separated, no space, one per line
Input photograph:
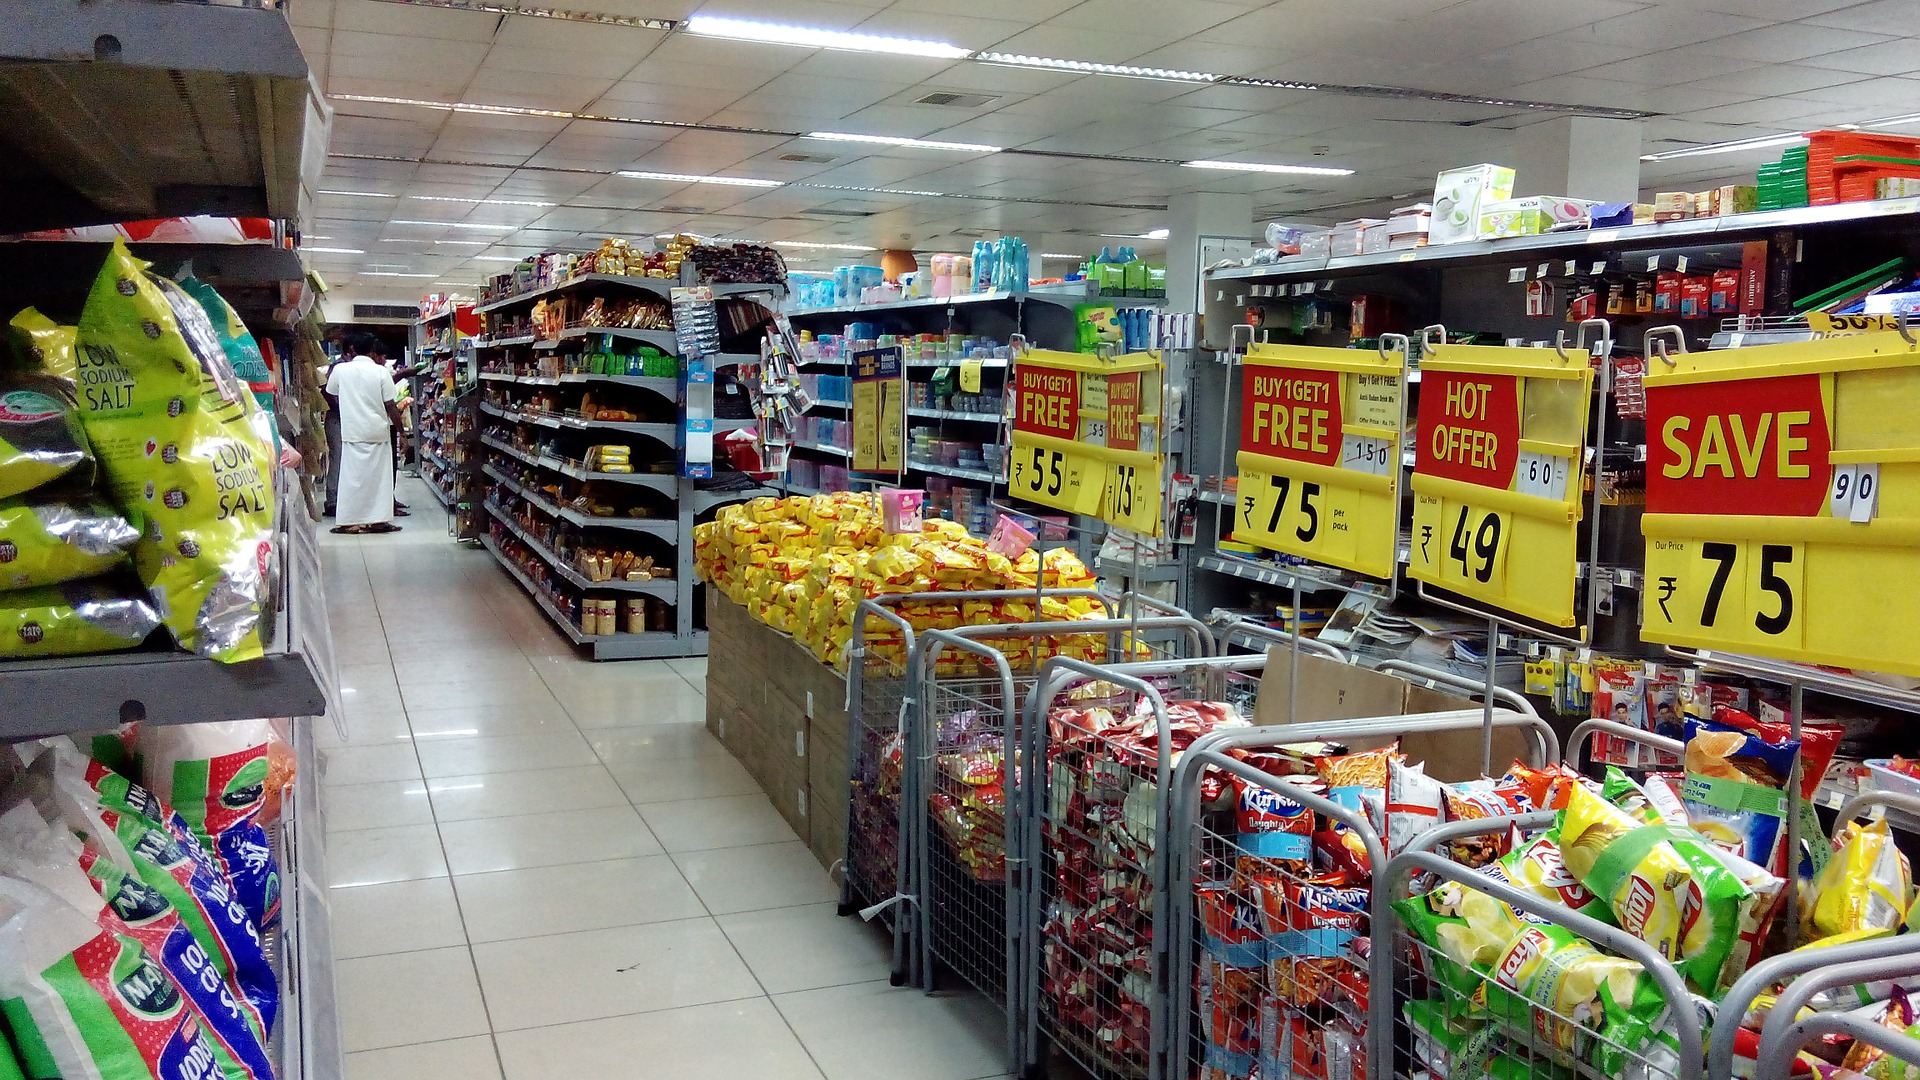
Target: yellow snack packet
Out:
[1868,885]
[1644,888]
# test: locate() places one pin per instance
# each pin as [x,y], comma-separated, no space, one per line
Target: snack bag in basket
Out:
[1867,885]
[1554,990]
[172,425]
[1735,790]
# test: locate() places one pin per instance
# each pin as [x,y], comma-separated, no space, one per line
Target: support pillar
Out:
[1584,157]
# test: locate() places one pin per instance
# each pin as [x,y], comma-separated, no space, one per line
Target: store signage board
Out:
[1783,501]
[1086,436]
[879,410]
[1319,454]
[1497,487]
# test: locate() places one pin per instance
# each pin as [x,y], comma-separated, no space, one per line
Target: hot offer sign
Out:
[1319,457]
[1782,516]
[1086,436]
[1499,446]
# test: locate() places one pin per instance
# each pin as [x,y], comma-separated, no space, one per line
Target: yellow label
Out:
[970,375]
[1301,517]
[1052,477]
[1462,548]
[1133,494]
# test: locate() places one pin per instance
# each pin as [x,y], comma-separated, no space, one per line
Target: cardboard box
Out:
[1530,215]
[1672,205]
[1330,690]
[1458,195]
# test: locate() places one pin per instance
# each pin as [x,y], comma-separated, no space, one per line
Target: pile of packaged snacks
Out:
[1103,792]
[969,799]
[126,947]
[1283,980]
[1667,860]
[802,565]
[874,809]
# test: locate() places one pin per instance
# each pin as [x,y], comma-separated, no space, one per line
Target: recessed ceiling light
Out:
[1884,121]
[481,202]
[393,273]
[1087,67]
[817,247]
[814,38]
[689,178]
[890,140]
[361,194]
[334,251]
[1059,255]
[1155,234]
[1262,167]
[457,225]
[312,237]
[497,258]
[1733,146]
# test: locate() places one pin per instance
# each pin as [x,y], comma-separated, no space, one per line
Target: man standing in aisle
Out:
[362,389]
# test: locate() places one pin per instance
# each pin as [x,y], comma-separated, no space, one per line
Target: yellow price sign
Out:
[1086,436]
[1497,477]
[1319,455]
[1783,501]
[1133,495]
[1058,478]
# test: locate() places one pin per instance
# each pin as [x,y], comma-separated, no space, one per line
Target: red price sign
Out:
[1469,427]
[1123,411]
[1753,447]
[1049,402]
[1292,414]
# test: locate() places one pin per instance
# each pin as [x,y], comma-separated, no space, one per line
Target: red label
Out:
[1123,411]
[1049,402]
[1469,427]
[1754,446]
[1291,414]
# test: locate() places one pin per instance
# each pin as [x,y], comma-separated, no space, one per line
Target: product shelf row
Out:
[658,286]
[666,590]
[662,527]
[666,433]
[658,482]
[604,646]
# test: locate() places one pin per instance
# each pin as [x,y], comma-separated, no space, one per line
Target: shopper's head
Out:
[361,343]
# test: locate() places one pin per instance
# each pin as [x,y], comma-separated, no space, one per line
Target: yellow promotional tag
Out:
[1086,436]
[1497,477]
[1783,501]
[1057,478]
[1319,457]
[970,375]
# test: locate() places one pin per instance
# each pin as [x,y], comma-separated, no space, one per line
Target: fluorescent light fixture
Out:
[890,140]
[1263,167]
[481,202]
[817,247]
[1731,147]
[392,273]
[334,251]
[361,194]
[814,38]
[1060,255]
[1087,67]
[1155,234]
[312,237]
[1884,121]
[457,225]
[688,178]
[497,258]
[463,243]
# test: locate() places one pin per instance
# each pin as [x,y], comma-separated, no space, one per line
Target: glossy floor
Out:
[545,868]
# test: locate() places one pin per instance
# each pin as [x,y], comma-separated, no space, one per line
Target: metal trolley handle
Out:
[1587,729]
[1774,970]
[1780,1042]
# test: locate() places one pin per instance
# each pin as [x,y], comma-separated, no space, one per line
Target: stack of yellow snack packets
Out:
[802,565]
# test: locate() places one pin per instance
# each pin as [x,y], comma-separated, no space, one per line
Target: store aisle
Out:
[545,868]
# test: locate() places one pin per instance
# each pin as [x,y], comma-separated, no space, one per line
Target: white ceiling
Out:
[1711,69]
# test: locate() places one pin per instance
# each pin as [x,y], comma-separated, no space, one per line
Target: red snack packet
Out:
[1548,787]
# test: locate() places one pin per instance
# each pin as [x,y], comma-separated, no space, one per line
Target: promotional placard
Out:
[879,410]
[1783,501]
[1500,446]
[1319,454]
[1086,436]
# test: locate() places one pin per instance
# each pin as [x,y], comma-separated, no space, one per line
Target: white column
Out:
[1584,157]
[1190,217]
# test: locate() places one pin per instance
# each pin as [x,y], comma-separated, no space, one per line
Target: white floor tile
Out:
[732,1039]
[487,721]
[804,948]
[613,707]
[504,753]
[532,695]
[536,982]
[365,727]
[456,668]
[467,798]
[752,878]
[689,778]
[369,764]
[374,856]
[376,806]
[409,997]
[873,1031]
[573,836]
[453,1059]
[578,896]
[400,916]
[693,669]
[654,742]
[698,824]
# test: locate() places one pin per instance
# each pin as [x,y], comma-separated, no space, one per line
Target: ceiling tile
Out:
[533,89]
[631,43]
[1664,27]
[965,31]
[1073,43]
[1881,95]
[1665,68]
[1770,80]
[718,53]
[1880,16]
[1165,21]
[1900,57]
[558,62]
[826,14]
[1796,41]
[1031,11]
[376,17]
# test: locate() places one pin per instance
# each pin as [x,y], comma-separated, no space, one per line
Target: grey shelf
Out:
[955,470]
[1059,297]
[661,287]
[667,485]
[503,342]
[121,110]
[950,414]
[655,527]
[823,448]
[605,646]
[668,434]
[665,590]
[1151,572]
[663,339]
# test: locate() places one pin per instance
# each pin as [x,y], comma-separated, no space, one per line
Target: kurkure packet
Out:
[170,422]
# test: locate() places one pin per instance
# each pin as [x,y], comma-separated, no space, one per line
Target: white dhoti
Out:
[366,483]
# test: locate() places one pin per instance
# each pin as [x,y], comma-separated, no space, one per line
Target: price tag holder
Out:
[1497,491]
[1058,478]
[1085,436]
[1319,459]
[970,376]
[1782,517]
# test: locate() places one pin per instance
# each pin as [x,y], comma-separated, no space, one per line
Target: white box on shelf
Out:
[1458,195]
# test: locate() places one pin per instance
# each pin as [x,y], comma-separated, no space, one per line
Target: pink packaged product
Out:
[1010,538]
[900,510]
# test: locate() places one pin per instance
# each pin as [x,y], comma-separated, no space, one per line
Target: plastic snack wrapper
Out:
[73,618]
[1537,866]
[1309,925]
[45,542]
[1554,990]
[41,438]
[1272,826]
[1464,927]
[42,345]
[215,776]
[1868,885]
[1736,790]
[1349,774]
[1449,1040]
[1412,804]
[1547,787]
[1477,800]
[173,427]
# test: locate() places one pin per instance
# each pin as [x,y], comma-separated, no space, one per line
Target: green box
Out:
[1135,278]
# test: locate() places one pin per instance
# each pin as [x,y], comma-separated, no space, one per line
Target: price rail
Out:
[1783,500]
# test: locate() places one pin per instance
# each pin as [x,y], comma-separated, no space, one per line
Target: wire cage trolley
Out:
[968,734]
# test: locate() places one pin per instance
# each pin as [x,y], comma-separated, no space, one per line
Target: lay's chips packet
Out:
[173,427]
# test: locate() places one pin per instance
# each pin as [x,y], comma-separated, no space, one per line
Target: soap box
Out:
[1458,195]
[900,510]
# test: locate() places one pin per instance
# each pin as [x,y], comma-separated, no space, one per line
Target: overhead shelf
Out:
[662,287]
[824,448]
[1065,297]
[122,110]
[53,275]
[951,414]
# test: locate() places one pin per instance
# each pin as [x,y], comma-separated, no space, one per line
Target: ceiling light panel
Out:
[333,251]
[1735,146]
[690,178]
[1088,67]
[814,38]
[1262,167]
[891,140]
[457,225]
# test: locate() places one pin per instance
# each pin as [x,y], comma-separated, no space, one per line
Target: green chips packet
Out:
[174,429]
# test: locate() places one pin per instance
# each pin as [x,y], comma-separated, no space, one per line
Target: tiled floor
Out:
[545,868]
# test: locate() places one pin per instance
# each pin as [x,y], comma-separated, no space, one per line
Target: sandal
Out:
[401,511]
[348,530]
[382,527]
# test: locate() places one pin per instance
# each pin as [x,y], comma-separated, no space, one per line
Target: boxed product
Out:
[1696,292]
[1672,205]
[1530,215]
[1735,199]
[1458,195]
[1408,227]
[1348,236]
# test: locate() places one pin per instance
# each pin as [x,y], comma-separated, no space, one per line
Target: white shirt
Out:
[363,388]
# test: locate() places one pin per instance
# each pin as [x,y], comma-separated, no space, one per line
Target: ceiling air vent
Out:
[385,311]
[681,209]
[817,159]
[956,101]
